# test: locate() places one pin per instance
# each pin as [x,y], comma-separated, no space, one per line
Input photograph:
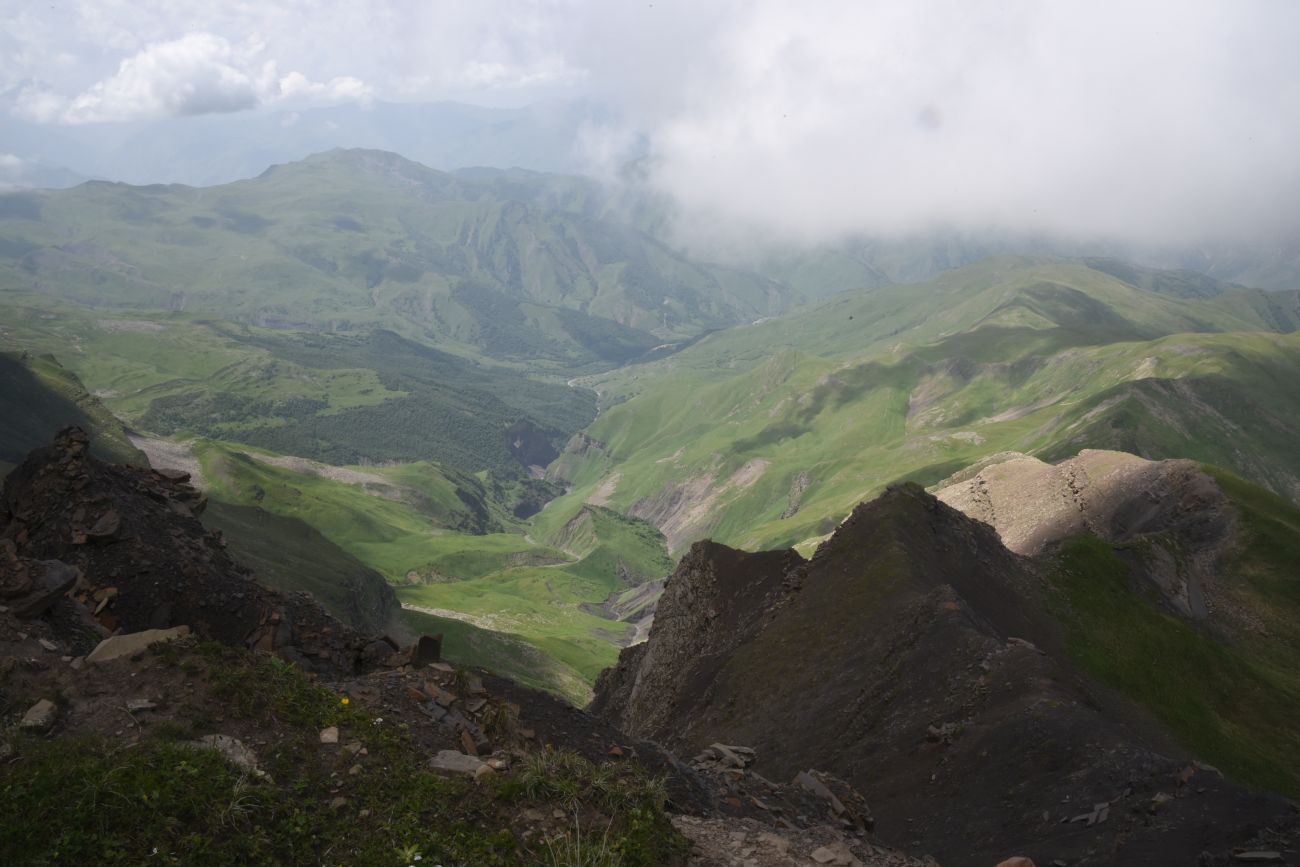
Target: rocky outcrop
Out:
[915,656]
[1172,505]
[696,621]
[139,559]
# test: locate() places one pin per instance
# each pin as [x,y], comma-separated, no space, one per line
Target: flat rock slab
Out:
[128,645]
[455,762]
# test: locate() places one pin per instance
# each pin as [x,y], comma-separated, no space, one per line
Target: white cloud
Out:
[199,73]
[342,88]
[1160,120]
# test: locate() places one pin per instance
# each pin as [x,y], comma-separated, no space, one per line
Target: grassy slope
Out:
[289,554]
[107,801]
[38,397]
[552,606]
[1233,703]
[390,531]
[337,398]
[512,268]
[1009,291]
[506,654]
[1018,355]
[609,543]
[527,606]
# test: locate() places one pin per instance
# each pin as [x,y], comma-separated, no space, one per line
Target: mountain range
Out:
[849,517]
[220,148]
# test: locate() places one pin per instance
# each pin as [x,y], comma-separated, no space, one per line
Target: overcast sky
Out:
[1159,120]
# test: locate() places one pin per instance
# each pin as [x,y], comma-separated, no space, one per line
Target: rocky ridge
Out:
[1116,496]
[915,656]
[143,560]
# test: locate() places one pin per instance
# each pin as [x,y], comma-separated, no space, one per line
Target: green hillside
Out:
[341,398]
[1036,296]
[558,607]
[768,435]
[509,266]
[38,396]
[1232,702]
[289,554]
[452,548]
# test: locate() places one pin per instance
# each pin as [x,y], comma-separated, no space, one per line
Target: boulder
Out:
[117,646]
[107,527]
[55,579]
[837,853]
[39,717]
[425,651]
[806,780]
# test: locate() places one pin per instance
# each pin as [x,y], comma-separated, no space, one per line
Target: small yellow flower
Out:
[344,700]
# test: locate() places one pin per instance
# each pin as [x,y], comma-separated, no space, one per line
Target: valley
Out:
[485,406]
[475,477]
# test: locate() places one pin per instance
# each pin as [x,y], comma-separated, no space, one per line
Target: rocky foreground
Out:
[162,704]
[909,689]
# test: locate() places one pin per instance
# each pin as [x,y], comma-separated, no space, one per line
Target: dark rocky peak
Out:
[716,600]
[917,658]
[143,561]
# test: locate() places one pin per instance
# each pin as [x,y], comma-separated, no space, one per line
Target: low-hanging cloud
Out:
[1155,121]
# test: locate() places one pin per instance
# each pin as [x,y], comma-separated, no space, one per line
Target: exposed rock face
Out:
[914,656]
[145,561]
[1113,495]
[686,510]
[695,620]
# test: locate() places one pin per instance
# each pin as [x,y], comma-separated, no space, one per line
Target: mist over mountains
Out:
[690,434]
[220,148]
[570,138]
